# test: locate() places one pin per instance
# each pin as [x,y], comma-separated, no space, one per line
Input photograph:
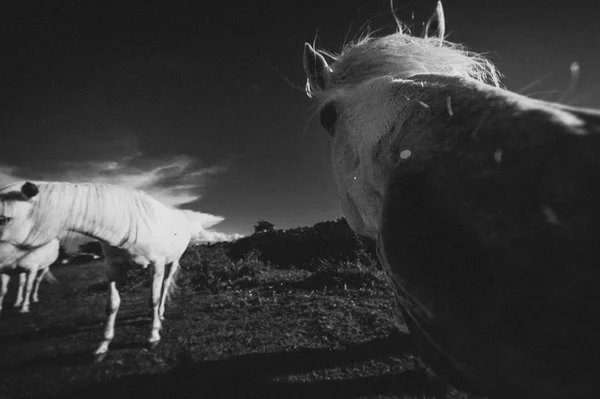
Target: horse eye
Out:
[4,220]
[328,117]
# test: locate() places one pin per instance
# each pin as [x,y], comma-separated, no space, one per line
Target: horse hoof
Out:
[99,357]
[152,345]
[24,311]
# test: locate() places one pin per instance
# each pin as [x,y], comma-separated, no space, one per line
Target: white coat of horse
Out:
[132,226]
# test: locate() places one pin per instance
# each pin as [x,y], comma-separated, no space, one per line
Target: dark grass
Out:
[240,329]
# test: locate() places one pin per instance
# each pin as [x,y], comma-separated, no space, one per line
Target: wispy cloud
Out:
[201,228]
[210,236]
[175,180]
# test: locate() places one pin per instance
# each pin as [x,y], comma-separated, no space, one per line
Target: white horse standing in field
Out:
[132,226]
[32,269]
[484,204]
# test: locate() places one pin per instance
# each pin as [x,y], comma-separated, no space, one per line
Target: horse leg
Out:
[22,281]
[36,284]
[115,280]
[158,274]
[4,279]
[171,270]
[30,276]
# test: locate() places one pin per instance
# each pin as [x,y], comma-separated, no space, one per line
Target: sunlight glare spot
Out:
[498,155]
[550,215]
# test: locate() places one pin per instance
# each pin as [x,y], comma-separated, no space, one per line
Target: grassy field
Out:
[232,330]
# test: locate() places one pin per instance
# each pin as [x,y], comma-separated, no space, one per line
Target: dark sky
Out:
[200,103]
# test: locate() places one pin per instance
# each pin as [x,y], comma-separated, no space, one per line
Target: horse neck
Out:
[100,214]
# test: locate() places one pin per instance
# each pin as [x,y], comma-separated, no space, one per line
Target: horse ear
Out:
[436,24]
[318,72]
[29,190]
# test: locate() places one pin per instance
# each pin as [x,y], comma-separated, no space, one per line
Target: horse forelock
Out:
[401,56]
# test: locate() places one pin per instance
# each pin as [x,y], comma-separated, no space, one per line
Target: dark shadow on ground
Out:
[79,358]
[319,280]
[72,359]
[251,376]
[64,330]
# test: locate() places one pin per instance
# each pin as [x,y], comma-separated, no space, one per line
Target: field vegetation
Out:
[301,313]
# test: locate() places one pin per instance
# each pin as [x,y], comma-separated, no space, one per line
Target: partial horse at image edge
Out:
[484,206]
[32,269]
[133,227]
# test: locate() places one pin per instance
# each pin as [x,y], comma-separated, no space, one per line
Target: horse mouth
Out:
[354,217]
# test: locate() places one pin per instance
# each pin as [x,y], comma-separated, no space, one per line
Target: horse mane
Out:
[400,55]
[108,210]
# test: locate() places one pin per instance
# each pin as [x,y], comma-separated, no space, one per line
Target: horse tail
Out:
[48,276]
[172,277]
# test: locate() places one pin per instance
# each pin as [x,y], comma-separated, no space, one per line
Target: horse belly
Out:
[12,269]
[140,260]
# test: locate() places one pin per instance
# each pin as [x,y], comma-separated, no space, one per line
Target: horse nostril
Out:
[328,118]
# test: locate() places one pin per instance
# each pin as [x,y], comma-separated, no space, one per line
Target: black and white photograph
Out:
[346,199]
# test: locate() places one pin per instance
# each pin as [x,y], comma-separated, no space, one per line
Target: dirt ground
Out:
[286,335]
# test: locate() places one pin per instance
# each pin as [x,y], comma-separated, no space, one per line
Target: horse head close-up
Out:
[484,205]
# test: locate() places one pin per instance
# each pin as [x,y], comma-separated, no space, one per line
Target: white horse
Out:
[32,269]
[132,226]
[484,204]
